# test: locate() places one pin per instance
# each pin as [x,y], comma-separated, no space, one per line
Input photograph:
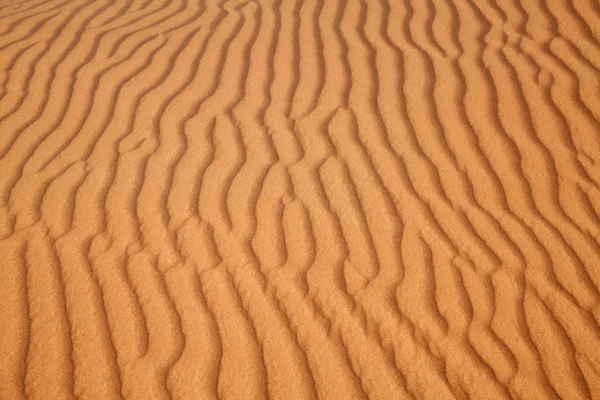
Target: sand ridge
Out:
[299,199]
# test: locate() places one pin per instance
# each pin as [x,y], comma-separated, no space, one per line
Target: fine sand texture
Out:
[299,199]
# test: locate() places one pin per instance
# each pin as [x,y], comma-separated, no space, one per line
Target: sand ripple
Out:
[299,199]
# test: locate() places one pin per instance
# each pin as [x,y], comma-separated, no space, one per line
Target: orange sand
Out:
[299,199]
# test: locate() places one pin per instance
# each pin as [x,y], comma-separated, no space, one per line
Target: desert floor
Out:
[300,199]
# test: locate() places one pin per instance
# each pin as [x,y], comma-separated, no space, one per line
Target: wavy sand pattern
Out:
[300,199]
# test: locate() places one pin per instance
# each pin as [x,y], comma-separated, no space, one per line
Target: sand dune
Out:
[300,199]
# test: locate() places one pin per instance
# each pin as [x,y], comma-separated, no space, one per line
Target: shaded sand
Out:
[299,199]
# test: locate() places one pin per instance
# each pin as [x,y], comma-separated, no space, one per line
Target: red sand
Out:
[299,199]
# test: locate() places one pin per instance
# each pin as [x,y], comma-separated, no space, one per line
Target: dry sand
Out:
[299,199]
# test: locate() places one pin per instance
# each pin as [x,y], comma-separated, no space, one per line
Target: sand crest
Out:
[299,199]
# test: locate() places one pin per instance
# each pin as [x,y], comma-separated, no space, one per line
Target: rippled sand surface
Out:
[300,199]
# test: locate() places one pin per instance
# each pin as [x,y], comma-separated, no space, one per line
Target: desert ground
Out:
[299,199]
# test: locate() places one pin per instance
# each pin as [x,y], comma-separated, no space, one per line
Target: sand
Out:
[300,199]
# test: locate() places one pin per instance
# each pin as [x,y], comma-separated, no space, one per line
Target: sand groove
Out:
[300,199]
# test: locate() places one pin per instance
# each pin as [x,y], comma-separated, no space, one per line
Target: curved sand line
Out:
[299,199]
